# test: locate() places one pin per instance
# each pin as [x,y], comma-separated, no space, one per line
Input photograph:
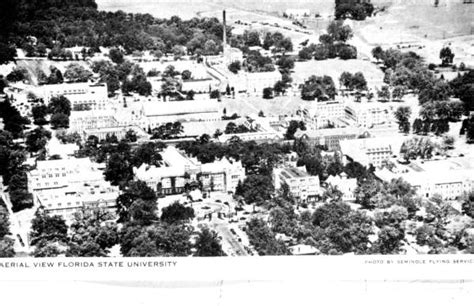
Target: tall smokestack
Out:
[224,38]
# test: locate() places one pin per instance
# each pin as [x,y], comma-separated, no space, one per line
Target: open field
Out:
[335,67]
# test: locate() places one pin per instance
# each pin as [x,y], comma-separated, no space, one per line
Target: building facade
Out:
[65,186]
[178,170]
[302,186]
[87,95]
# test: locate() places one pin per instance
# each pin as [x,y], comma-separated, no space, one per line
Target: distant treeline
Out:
[67,23]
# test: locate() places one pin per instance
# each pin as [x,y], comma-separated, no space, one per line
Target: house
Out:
[345,185]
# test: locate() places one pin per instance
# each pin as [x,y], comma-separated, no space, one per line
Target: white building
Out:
[302,185]
[118,131]
[75,197]
[84,120]
[232,55]
[371,151]
[344,184]
[64,150]
[67,185]
[448,178]
[322,113]
[157,113]
[178,169]
[368,114]
[331,138]
[93,96]
[260,136]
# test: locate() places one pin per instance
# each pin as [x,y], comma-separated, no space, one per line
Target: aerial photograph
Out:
[205,128]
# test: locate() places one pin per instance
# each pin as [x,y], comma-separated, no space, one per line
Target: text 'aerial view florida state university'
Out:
[133,128]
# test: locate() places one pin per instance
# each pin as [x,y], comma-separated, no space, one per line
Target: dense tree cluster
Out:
[357,10]
[463,88]
[318,88]
[332,45]
[61,24]
[256,62]
[12,120]
[60,110]
[353,81]
[6,243]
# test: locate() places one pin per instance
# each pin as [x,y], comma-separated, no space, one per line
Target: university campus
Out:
[327,127]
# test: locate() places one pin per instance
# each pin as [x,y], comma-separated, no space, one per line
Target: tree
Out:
[6,244]
[39,113]
[467,205]
[402,114]
[131,136]
[339,32]
[446,56]
[343,230]
[91,235]
[60,104]
[262,238]
[286,63]
[186,75]
[208,244]
[210,47]
[118,170]
[37,139]
[20,197]
[347,52]
[59,120]
[417,126]
[55,77]
[17,75]
[155,240]
[389,240]
[359,82]
[293,128]
[398,92]
[132,191]
[321,88]
[346,80]
[176,212]
[234,67]
[116,56]
[256,189]
[47,229]
[378,53]
[268,93]
[384,93]
[76,73]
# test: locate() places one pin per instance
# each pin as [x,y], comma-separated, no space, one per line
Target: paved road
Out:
[223,229]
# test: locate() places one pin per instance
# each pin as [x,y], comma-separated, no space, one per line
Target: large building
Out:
[448,178]
[371,151]
[302,186]
[88,95]
[66,186]
[321,114]
[79,121]
[331,138]
[368,114]
[177,169]
[157,113]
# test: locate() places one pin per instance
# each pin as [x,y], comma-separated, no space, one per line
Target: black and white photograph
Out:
[311,129]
